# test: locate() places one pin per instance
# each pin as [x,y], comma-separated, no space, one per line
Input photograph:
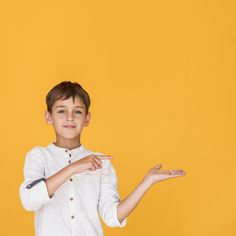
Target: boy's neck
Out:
[68,144]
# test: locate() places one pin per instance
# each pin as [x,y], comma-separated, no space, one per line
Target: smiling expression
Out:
[68,118]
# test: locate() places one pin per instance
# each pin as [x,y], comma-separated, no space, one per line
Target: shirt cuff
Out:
[40,192]
[116,220]
[35,182]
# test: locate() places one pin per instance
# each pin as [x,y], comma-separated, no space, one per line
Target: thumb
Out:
[158,166]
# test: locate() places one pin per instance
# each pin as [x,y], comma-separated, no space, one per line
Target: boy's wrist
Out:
[75,168]
[146,183]
[72,169]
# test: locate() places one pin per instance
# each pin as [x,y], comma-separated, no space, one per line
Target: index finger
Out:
[104,157]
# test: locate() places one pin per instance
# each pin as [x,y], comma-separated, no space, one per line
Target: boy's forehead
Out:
[69,102]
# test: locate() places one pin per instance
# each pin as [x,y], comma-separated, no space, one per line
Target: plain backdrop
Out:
[161,76]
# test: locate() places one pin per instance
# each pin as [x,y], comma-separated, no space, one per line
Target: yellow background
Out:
[161,75]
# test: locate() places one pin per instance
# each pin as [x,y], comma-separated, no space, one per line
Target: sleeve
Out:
[33,191]
[109,197]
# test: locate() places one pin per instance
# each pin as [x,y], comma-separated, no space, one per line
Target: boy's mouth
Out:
[69,126]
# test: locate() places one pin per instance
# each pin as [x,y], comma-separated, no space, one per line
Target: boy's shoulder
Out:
[35,151]
[91,152]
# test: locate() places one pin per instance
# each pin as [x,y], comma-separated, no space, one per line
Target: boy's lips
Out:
[69,126]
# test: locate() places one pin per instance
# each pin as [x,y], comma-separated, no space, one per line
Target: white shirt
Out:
[74,208]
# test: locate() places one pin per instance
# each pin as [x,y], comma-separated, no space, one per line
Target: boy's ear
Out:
[87,119]
[48,118]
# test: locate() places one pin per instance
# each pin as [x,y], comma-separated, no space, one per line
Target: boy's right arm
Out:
[91,162]
[34,192]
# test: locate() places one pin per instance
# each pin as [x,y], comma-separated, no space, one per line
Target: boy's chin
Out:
[70,136]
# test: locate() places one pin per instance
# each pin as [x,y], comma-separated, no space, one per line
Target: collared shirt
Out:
[75,206]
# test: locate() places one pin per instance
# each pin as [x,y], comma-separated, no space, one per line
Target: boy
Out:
[67,185]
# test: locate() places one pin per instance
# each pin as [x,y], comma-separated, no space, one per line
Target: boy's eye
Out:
[61,111]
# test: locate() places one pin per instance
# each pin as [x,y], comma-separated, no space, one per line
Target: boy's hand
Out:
[91,162]
[155,175]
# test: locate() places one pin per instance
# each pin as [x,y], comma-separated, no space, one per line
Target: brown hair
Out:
[65,90]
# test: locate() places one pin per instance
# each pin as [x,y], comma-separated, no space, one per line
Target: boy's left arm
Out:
[153,176]
[109,196]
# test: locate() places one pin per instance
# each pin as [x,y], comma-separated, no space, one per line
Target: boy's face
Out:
[68,118]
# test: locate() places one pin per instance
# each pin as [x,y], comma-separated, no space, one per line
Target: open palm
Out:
[155,174]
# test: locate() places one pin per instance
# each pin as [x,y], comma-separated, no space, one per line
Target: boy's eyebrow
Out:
[65,106]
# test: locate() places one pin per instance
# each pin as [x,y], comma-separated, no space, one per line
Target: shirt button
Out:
[69,161]
[71,179]
[70,155]
[66,150]
[71,198]
[72,217]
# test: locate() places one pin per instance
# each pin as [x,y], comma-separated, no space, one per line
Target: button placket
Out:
[72,206]
[69,161]
[71,199]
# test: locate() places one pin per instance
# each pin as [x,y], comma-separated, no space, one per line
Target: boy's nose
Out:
[70,116]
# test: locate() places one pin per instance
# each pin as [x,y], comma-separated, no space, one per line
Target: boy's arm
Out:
[127,205]
[34,192]
[91,162]
[55,181]
[153,176]
[109,196]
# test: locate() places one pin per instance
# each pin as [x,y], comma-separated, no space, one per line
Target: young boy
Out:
[67,185]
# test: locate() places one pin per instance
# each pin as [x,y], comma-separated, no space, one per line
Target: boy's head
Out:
[65,90]
[67,109]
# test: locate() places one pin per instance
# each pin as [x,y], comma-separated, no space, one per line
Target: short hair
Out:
[65,90]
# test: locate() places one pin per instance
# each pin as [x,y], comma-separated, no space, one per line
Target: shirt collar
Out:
[66,150]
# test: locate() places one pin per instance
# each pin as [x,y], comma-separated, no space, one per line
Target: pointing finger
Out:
[104,157]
